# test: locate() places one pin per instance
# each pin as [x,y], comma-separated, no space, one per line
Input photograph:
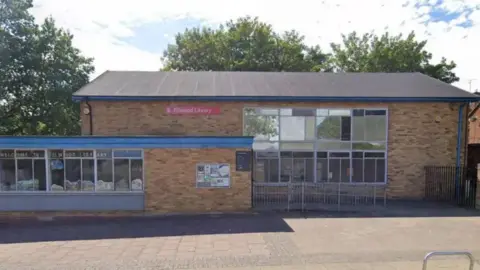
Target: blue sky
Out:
[131,35]
[154,37]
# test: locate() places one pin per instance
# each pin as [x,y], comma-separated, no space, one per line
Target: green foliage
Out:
[39,71]
[255,125]
[385,53]
[242,45]
[329,128]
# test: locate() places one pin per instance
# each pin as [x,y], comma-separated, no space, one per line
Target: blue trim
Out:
[104,142]
[459,147]
[277,98]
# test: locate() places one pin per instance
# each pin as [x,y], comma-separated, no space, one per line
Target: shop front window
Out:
[71,170]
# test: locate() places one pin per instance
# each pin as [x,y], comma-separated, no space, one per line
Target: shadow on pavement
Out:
[91,228]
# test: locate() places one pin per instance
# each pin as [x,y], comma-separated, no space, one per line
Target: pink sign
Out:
[193,110]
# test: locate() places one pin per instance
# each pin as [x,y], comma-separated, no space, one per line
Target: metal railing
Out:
[449,253]
[306,196]
[451,184]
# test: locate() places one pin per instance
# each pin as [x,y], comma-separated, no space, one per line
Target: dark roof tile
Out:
[268,84]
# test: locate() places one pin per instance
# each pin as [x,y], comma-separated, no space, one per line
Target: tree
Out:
[39,71]
[242,45]
[385,53]
[260,126]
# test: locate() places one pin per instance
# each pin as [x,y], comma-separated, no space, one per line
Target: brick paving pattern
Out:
[238,242]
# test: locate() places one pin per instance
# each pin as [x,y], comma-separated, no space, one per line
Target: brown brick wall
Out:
[474,127]
[419,133]
[171,187]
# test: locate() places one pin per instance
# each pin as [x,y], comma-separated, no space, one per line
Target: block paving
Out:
[267,241]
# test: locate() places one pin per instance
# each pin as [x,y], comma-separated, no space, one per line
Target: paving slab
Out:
[240,242]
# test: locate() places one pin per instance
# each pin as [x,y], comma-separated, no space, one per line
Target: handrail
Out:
[448,253]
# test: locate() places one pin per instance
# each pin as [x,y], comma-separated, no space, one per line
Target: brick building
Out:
[173,141]
[474,123]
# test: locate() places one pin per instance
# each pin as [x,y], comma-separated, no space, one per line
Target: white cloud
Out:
[97,24]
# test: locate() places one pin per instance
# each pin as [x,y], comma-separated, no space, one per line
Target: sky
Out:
[131,35]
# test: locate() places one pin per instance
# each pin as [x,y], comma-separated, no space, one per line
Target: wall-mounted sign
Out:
[213,175]
[195,110]
[243,161]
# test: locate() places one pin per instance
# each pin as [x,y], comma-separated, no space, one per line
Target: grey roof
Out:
[268,84]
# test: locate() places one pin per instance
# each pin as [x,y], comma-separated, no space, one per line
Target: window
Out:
[79,166]
[297,124]
[374,167]
[341,143]
[262,124]
[333,125]
[266,167]
[339,167]
[126,173]
[369,125]
[31,171]
[57,170]
[104,170]
[71,170]
[322,167]
[7,170]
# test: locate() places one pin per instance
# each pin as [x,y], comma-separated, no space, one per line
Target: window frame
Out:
[47,159]
[316,141]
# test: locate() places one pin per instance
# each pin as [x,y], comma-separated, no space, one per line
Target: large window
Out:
[266,166]
[320,145]
[71,170]
[30,170]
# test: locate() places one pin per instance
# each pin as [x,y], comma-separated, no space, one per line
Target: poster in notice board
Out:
[213,175]
[243,160]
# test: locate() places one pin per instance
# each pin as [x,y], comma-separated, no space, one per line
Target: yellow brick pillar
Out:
[477,201]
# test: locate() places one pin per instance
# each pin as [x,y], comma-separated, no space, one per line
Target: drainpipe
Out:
[90,115]
[459,148]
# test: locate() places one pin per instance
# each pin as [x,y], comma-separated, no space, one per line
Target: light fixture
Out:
[86,111]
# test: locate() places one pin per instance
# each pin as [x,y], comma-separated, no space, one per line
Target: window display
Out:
[71,170]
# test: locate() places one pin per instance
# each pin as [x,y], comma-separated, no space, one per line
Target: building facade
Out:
[148,138]
[379,142]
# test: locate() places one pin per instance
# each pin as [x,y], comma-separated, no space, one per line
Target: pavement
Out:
[241,241]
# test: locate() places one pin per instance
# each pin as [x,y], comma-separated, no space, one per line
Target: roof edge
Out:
[90,82]
[108,142]
[80,98]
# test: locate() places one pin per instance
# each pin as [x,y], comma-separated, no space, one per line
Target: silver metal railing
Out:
[449,253]
[312,196]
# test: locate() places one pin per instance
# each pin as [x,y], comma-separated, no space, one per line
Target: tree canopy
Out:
[242,45]
[248,44]
[39,71]
[386,53]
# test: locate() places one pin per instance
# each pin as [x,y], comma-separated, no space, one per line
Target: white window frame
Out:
[316,141]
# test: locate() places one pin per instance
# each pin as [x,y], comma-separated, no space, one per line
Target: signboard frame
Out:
[220,171]
[243,161]
[192,110]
